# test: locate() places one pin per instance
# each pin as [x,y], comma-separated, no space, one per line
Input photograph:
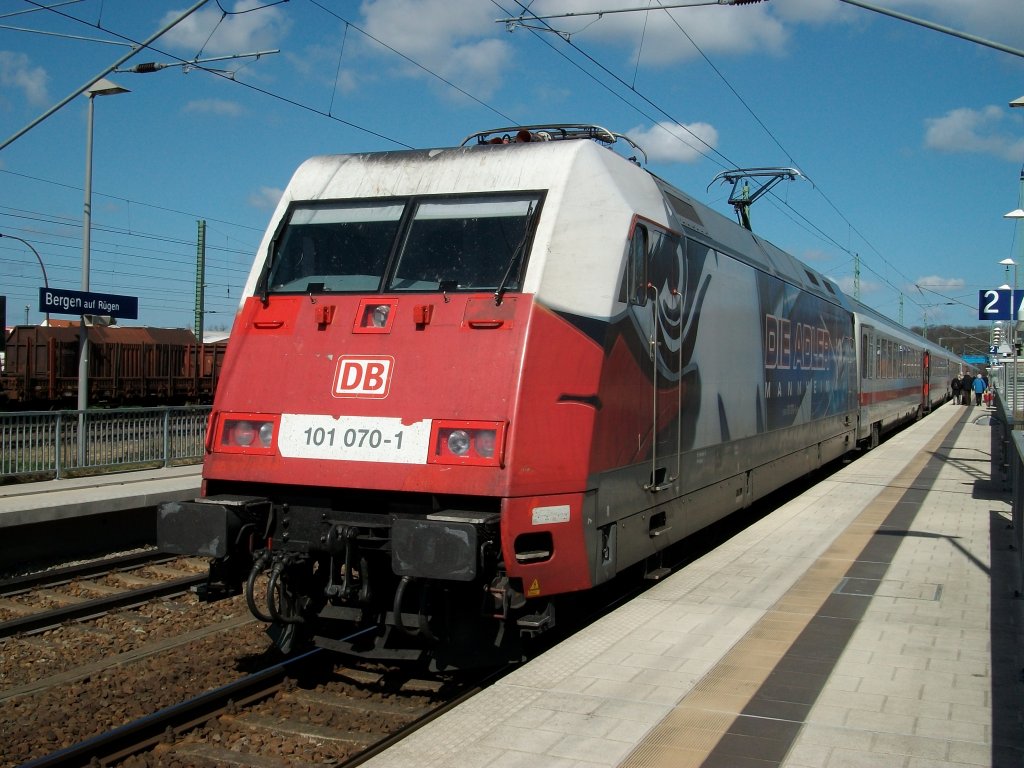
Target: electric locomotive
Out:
[465,383]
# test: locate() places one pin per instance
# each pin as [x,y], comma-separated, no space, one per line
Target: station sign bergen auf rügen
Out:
[82,303]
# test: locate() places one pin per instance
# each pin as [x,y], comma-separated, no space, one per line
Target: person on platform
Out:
[979,389]
[954,387]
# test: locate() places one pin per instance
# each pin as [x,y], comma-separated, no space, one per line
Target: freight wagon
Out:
[127,366]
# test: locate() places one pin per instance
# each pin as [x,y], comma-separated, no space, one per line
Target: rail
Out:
[66,443]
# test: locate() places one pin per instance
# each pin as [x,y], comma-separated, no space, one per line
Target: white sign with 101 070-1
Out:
[353,438]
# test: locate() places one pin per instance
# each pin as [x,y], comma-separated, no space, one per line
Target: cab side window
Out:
[637,277]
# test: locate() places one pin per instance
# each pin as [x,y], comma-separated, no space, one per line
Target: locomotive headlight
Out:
[375,315]
[484,443]
[266,433]
[246,433]
[477,443]
[458,442]
[243,434]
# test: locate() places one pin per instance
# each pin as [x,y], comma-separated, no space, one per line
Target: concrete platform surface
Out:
[872,621]
[50,500]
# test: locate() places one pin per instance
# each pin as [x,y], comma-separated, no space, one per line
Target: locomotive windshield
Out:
[421,244]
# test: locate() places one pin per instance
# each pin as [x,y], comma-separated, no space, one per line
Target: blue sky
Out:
[910,152]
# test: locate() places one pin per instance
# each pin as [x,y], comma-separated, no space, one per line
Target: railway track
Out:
[160,684]
[40,601]
[158,692]
[350,715]
[304,712]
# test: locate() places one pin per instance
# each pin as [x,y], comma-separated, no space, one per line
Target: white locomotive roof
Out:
[592,194]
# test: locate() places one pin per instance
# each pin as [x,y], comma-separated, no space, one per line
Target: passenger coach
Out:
[902,375]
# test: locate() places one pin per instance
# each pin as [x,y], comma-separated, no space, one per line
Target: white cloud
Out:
[762,27]
[457,39]
[991,19]
[939,284]
[660,36]
[673,143]
[266,198]
[811,11]
[815,255]
[988,19]
[348,80]
[220,107]
[321,63]
[867,287]
[970,130]
[210,31]
[18,73]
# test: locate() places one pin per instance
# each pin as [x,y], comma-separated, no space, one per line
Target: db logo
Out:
[363,376]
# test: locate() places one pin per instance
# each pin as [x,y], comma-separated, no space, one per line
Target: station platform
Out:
[54,500]
[43,523]
[872,621]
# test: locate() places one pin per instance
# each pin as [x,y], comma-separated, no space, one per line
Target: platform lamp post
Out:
[101,87]
[1008,335]
[1018,515]
[1013,329]
[1016,215]
[39,258]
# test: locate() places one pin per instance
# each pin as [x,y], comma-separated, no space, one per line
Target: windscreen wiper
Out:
[499,292]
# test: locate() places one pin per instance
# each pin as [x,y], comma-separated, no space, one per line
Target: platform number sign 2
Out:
[999,303]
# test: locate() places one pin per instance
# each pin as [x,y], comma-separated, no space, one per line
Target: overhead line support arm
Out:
[102,74]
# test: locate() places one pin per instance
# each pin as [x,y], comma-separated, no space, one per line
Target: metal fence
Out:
[1009,386]
[62,443]
[1007,470]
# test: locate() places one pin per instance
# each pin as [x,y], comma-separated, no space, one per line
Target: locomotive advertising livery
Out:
[464,383]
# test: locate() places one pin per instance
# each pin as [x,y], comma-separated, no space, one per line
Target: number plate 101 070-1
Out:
[353,438]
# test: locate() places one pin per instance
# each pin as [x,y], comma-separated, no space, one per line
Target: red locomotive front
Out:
[397,445]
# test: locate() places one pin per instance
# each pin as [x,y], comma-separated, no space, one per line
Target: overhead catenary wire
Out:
[412,61]
[708,152]
[148,45]
[727,162]
[722,162]
[95,78]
